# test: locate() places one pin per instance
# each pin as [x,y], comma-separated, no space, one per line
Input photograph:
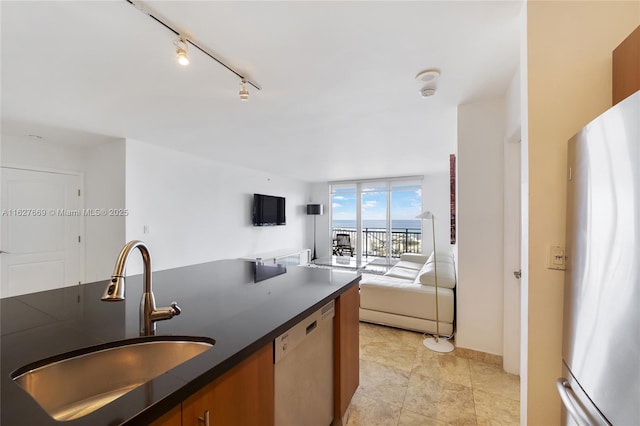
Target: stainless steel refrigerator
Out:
[601,347]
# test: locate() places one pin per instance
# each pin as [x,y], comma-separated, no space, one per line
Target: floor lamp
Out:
[314,210]
[435,343]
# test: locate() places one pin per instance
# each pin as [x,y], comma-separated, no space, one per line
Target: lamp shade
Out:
[315,209]
[426,215]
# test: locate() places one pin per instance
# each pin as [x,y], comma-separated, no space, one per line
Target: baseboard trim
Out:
[479,356]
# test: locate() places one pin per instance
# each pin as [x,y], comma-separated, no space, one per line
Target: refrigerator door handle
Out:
[571,403]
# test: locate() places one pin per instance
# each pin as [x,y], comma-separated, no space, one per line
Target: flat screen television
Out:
[268,210]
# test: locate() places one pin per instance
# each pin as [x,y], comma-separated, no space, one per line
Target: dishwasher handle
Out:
[312,326]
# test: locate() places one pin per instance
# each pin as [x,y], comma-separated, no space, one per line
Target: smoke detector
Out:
[428,76]
[430,79]
[427,91]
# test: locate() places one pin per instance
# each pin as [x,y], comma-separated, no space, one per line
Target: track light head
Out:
[182,51]
[244,93]
[183,58]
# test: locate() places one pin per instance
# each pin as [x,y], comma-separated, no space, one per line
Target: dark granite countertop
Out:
[219,299]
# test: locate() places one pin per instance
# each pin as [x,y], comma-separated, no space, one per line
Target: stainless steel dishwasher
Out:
[303,358]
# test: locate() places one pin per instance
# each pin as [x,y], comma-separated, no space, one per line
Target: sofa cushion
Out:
[420,259]
[402,297]
[409,265]
[442,256]
[404,273]
[446,274]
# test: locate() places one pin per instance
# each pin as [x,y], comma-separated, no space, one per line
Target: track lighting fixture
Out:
[182,51]
[182,46]
[244,93]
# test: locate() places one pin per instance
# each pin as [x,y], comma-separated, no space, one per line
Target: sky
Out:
[406,203]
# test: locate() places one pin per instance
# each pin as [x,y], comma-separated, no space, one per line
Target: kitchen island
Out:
[229,301]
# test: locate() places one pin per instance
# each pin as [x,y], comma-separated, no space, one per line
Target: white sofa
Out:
[404,297]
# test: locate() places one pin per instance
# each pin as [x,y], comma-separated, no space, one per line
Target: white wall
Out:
[481,128]
[513,110]
[103,170]
[319,194]
[104,189]
[41,154]
[199,210]
[435,198]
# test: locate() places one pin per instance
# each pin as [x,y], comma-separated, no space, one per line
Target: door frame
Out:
[512,243]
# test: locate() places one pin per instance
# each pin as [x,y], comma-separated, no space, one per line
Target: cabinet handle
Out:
[205,418]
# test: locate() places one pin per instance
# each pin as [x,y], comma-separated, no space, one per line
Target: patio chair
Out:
[342,244]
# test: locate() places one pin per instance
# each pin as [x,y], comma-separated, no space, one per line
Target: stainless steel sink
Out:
[75,384]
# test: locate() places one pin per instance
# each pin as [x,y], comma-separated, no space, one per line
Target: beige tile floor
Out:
[404,383]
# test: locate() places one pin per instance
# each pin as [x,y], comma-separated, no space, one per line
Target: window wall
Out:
[379,216]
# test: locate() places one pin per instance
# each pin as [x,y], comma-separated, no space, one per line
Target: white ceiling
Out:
[339,98]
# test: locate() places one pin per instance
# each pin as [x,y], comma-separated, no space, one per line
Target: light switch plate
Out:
[556,257]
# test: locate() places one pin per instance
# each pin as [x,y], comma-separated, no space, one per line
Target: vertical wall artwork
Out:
[452,196]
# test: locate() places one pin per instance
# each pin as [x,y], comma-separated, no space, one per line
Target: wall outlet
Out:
[557,258]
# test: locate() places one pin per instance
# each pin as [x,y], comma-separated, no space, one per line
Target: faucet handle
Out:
[176,309]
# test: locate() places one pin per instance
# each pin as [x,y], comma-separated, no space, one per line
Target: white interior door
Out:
[41,231]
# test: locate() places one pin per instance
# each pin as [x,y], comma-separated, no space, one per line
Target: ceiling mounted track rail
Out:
[165,23]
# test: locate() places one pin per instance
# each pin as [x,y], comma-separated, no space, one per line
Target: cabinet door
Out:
[242,396]
[347,347]
[172,418]
[626,67]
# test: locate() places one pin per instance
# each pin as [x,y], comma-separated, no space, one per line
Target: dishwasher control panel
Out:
[290,339]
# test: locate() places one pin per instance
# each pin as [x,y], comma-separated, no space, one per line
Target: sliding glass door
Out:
[375,228]
[344,219]
[406,229]
[379,217]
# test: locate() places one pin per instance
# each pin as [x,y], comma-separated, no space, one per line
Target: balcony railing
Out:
[374,241]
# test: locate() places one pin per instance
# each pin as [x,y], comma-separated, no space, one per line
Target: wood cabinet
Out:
[346,360]
[242,396]
[626,67]
[171,418]
[245,394]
